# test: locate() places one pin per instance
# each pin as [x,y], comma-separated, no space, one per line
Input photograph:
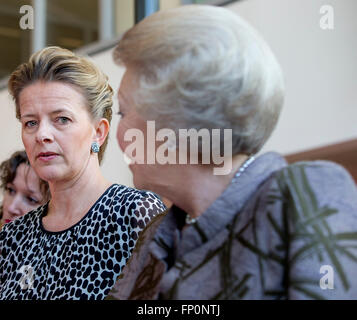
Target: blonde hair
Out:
[203,66]
[58,64]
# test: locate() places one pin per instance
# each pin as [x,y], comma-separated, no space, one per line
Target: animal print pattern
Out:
[82,262]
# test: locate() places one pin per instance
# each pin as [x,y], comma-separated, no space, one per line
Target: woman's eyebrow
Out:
[32,115]
[29,115]
[61,110]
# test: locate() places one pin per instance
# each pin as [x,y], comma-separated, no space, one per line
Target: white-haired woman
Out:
[261,230]
[74,246]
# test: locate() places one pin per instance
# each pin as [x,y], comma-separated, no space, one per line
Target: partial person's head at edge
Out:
[23,190]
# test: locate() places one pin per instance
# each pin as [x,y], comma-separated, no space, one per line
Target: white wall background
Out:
[320,68]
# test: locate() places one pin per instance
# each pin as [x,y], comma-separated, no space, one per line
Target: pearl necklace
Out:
[242,168]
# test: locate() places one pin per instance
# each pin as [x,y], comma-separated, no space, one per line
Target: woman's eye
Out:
[30,124]
[119,113]
[63,120]
[32,200]
[10,190]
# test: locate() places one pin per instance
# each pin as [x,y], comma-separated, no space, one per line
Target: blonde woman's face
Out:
[57,130]
[22,195]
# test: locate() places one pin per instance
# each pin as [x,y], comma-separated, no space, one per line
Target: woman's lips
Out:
[7,220]
[46,157]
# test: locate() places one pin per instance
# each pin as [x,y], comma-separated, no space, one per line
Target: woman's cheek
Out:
[27,144]
[120,137]
[5,204]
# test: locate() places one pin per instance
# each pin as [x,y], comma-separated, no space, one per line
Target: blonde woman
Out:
[77,244]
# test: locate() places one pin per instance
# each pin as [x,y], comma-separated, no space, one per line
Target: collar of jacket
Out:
[220,214]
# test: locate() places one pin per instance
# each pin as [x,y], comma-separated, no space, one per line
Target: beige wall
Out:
[168,4]
[124,15]
[320,69]
[125,12]
[114,167]
[10,130]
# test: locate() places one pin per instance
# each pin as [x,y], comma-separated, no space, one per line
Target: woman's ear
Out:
[101,130]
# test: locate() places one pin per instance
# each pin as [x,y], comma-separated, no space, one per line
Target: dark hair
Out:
[8,170]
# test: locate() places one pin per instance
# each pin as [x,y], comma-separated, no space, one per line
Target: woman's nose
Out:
[44,133]
[16,206]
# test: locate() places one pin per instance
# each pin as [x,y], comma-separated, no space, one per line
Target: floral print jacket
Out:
[279,232]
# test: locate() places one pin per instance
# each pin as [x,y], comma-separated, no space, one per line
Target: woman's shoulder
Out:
[27,223]
[318,204]
[326,179]
[131,208]
[124,198]
[302,218]
[321,168]
[320,191]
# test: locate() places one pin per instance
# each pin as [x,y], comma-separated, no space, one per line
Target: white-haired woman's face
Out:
[22,195]
[132,121]
[57,130]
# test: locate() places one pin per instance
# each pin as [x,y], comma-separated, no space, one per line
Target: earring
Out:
[95,147]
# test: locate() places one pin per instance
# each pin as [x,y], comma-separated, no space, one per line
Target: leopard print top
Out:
[82,262]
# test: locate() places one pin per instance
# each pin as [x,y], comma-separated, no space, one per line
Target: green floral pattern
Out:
[294,223]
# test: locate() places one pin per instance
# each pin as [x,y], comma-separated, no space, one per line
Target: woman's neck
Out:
[71,199]
[195,188]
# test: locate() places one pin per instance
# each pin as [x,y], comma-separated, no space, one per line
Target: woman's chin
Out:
[49,175]
[138,183]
